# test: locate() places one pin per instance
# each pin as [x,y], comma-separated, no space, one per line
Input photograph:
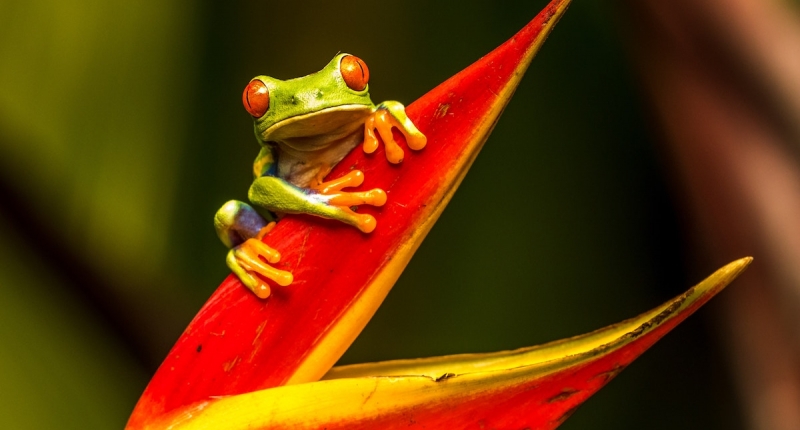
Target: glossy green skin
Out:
[311,124]
[323,93]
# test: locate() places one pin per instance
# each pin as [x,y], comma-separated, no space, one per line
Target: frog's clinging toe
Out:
[376,197]
[249,262]
[390,115]
[366,223]
[353,178]
[262,291]
[373,197]
[380,121]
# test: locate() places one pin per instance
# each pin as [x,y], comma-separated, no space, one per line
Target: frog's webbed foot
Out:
[331,191]
[241,228]
[390,115]
[251,260]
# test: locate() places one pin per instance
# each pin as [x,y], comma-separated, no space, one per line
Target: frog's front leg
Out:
[324,199]
[241,228]
[387,115]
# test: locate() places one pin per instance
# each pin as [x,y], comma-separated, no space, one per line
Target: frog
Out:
[304,127]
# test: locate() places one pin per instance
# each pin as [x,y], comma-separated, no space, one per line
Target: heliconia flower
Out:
[248,363]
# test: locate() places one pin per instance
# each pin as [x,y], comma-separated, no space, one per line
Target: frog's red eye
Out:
[355,72]
[255,98]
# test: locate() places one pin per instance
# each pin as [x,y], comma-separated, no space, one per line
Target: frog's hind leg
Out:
[241,228]
[236,222]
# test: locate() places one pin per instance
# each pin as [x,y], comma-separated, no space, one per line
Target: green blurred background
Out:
[122,132]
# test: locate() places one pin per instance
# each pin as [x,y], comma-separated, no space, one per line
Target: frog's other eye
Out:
[355,72]
[255,98]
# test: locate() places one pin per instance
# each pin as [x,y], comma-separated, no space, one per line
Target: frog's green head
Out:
[323,103]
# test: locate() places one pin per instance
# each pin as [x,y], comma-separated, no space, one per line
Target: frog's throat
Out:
[300,167]
[312,128]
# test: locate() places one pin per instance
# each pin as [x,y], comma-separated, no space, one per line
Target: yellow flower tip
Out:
[723,276]
[742,263]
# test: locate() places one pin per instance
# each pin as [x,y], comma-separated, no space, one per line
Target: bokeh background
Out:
[122,132]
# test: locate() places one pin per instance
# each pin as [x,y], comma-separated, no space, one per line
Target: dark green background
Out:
[122,132]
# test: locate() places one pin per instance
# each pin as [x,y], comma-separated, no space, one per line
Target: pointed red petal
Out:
[238,343]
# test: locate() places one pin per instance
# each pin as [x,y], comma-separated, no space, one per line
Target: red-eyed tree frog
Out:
[305,126]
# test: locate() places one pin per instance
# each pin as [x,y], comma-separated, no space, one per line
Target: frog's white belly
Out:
[300,167]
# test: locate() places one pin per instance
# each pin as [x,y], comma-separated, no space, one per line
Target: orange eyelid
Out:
[255,98]
[354,72]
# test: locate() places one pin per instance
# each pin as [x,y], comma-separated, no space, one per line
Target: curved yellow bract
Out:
[555,377]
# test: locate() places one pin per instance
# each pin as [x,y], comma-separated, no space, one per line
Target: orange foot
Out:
[345,200]
[392,115]
[250,262]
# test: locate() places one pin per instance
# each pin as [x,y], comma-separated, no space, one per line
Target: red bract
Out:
[240,344]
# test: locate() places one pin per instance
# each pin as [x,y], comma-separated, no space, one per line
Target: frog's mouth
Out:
[318,129]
